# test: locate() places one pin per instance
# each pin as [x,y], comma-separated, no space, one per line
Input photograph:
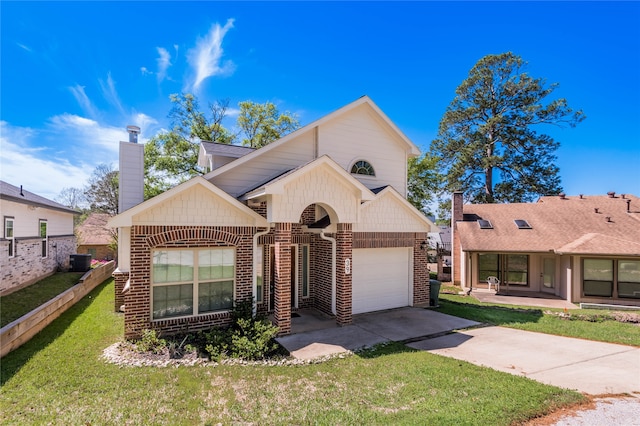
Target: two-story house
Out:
[317,219]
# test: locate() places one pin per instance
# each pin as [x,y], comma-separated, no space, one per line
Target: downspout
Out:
[255,271]
[333,269]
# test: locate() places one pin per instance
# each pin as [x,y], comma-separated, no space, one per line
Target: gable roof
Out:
[126,218]
[563,225]
[412,213]
[211,149]
[94,230]
[364,100]
[19,195]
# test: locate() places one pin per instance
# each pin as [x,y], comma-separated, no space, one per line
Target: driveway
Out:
[591,367]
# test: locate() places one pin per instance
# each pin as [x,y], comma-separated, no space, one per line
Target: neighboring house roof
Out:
[94,230]
[212,149]
[597,225]
[413,148]
[19,195]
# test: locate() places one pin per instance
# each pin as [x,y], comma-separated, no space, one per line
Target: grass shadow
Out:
[384,349]
[489,314]
[15,360]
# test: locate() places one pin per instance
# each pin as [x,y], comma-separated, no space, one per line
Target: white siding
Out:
[387,214]
[249,175]
[195,206]
[131,166]
[359,135]
[27,220]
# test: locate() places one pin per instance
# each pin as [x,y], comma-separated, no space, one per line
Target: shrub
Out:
[150,341]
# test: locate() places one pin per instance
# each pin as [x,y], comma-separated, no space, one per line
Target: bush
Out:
[150,342]
[433,275]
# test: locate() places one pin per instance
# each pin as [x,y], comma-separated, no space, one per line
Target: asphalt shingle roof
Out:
[21,195]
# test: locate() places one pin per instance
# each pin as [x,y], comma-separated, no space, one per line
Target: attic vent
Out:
[522,224]
[485,224]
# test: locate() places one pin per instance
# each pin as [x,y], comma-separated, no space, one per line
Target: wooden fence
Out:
[24,328]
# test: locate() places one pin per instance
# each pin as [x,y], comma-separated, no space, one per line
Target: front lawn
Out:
[581,323]
[59,378]
[23,301]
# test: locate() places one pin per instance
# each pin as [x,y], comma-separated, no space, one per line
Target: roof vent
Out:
[623,196]
[134,131]
[562,196]
[596,210]
[628,206]
[581,196]
[611,194]
[608,218]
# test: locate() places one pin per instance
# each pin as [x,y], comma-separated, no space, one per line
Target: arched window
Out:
[362,167]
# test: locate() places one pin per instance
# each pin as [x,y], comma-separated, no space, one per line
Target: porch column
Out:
[344,267]
[282,287]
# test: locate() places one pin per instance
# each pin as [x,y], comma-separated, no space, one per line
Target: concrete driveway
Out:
[591,367]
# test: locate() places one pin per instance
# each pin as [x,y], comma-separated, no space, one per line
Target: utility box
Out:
[79,262]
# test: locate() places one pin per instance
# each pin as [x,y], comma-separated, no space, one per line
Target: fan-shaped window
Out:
[363,168]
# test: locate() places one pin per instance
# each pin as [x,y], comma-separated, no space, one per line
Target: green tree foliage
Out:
[423,182]
[488,141]
[172,157]
[262,124]
[101,192]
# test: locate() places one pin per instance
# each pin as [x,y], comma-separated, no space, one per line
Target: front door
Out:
[548,275]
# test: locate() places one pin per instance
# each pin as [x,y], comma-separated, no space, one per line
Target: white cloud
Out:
[164,62]
[205,58]
[109,92]
[145,71]
[25,47]
[83,100]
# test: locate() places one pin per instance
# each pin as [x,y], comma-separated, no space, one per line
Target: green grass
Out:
[592,326]
[27,299]
[59,378]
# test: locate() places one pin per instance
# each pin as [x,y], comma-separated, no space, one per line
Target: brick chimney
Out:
[131,166]
[456,251]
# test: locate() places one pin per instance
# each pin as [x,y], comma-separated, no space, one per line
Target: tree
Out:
[490,126]
[423,182]
[102,190]
[263,123]
[72,197]
[172,157]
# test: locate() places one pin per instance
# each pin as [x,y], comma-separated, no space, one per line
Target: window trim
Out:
[504,268]
[304,266]
[615,281]
[44,252]
[367,163]
[195,282]
[12,238]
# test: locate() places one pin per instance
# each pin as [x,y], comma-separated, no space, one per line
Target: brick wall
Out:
[420,270]
[456,252]
[321,268]
[144,239]
[102,252]
[28,265]
[282,303]
[344,293]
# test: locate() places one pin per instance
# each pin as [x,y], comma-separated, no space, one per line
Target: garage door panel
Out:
[380,279]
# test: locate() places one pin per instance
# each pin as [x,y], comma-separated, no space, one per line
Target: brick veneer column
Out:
[282,288]
[456,251]
[120,279]
[420,270]
[344,292]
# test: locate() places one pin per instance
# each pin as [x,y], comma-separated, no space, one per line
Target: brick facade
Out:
[282,287]
[344,290]
[456,253]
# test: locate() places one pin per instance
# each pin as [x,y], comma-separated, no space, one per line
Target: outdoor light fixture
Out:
[423,245]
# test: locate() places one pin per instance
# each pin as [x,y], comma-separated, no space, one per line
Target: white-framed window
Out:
[187,282]
[362,167]
[305,270]
[260,274]
[9,235]
[44,236]
[611,278]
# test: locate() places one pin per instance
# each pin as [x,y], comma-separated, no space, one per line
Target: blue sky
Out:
[75,74]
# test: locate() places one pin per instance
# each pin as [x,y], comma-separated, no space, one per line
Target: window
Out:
[522,224]
[93,252]
[629,279]
[44,237]
[600,277]
[182,277]
[362,167]
[305,271]
[8,235]
[512,269]
[259,274]
[485,224]
[597,277]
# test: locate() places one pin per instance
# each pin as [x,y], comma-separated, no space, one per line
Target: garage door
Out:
[380,279]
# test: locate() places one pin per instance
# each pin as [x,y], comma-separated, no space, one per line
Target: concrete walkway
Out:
[591,367]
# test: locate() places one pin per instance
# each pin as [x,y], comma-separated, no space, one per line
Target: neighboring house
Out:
[580,248]
[95,237]
[317,219]
[37,237]
[440,249]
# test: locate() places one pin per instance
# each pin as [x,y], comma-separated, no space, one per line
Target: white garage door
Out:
[380,279]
